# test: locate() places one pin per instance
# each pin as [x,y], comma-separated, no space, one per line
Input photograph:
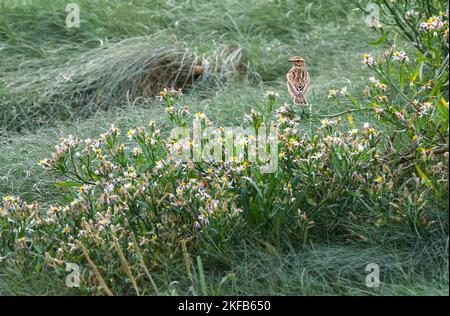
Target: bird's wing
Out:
[292,85]
[307,80]
[294,91]
[303,82]
[298,82]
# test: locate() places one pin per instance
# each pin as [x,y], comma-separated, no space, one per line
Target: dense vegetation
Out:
[362,176]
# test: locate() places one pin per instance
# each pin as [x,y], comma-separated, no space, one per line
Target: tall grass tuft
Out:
[131,69]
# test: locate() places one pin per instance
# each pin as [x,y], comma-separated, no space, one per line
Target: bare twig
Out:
[141,259]
[95,270]
[412,156]
[341,113]
[125,264]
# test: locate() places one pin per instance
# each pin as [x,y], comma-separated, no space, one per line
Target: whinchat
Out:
[298,80]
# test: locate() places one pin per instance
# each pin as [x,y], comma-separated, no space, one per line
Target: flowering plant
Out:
[408,92]
[132,207]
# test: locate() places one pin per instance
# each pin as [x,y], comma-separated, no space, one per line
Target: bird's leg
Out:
[293,105]
[306,106]
[302,114]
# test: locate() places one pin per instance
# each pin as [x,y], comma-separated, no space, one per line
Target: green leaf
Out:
[255,186]
[443,111]
[416,72]
[201,273]
[425,178]
[402,77]
[380,40]
[421,57]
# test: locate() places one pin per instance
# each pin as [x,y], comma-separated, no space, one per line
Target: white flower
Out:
[400,116]
[317,155]
[400,56]
[433,23]
[127,185]
[378,110]
[200,115]
[130,133]
[359,147]
[327,123]
[353,132]
[273,94]
[381,86]
[425,108]
[343,91]
[3,212]
[409,14]
[368,60]
[332,93]
[114,130]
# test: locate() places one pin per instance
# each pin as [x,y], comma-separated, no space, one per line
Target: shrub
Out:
[132,206]
[408,93]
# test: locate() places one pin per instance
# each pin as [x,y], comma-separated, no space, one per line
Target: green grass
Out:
[38,60]
[247,43]
[327,269]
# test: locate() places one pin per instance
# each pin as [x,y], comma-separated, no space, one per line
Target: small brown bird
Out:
[298,80]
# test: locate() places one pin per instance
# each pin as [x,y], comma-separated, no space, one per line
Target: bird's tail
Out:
[300,100]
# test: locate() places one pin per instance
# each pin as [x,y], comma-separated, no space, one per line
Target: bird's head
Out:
[297,61]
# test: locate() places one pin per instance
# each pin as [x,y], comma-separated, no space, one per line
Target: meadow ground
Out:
[248,44]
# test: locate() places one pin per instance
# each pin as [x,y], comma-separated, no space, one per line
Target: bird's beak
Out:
[290,60]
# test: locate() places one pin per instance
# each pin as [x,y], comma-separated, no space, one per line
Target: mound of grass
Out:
[125,71]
